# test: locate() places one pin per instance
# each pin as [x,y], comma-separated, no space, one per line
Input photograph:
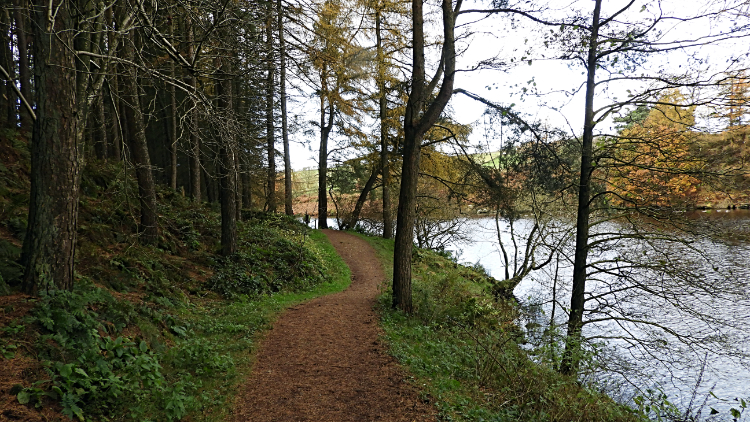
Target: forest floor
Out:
[324,360]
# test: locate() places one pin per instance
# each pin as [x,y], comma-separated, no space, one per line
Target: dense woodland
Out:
[167,126]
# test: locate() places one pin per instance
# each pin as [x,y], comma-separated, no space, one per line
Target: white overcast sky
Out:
[495,36]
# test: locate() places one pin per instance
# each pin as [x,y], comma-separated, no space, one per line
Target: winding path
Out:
[323,361]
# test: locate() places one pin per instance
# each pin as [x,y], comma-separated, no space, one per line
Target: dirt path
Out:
[323,360]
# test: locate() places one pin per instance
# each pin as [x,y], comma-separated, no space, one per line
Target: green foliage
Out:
[463,347]
[273,257]
[654,406]
[168,347]
[92,374]
[199,356]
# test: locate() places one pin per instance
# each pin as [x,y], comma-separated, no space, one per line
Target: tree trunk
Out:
[238,184]
[6,60]
[101,128]
[416,123]
[325,130]
[138,147]
[83,67]
[385,170]
[50,244]
[114,93]
[24,72]
[571,356]
[407,204]
[227,159]
[195,142]
[271,181]
[284,132]
[116,117]
[353,219]
[173,135]
[247,192]
[173,121]
[209,181]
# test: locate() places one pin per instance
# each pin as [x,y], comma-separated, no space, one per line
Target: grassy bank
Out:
[160,332]
[462,345]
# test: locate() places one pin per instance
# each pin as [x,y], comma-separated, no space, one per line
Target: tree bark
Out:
[101,127]
[385,170]
[238,192]
[6,60]
[247,192]
[271,182]
[138,147]
[24,71]
[325,131]
[83,67]
[416,124]
[50,244]
[571,355]
[227,176]
[116,117]
[195,142]
[173,121]
[284,132]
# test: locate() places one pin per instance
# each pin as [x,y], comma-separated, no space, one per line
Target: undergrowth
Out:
[154,333]
[462,345]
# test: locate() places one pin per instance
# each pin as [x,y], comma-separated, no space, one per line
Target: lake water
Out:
[679,302]
[680,309]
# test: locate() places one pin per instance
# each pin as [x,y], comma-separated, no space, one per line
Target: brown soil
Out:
[323,360]
[18,370]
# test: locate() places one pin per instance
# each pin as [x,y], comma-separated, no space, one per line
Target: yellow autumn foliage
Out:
[653,162]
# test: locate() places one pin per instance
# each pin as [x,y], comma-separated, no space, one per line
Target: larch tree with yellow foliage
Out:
[337,62]
[653,162]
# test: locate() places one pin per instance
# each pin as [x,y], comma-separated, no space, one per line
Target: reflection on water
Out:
[711,264]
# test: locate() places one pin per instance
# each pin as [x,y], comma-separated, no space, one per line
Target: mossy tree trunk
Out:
[50,244]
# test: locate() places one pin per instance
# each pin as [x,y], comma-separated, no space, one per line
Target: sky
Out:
[552,79]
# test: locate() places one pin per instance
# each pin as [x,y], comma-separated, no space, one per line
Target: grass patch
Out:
[462,346]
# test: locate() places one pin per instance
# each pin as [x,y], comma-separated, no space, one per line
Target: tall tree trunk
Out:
[238,192]
[101,127]
[138,147]
[571,355]
[407,203]
[416,123]
[271,200]
[50,244]
[173,121]
[116,117]
[284,132]
[114,92]
[195,142]
[385,170]
[6,60]
[325,131]
[24,72]
[227,176]
[247,192]
[83,67]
